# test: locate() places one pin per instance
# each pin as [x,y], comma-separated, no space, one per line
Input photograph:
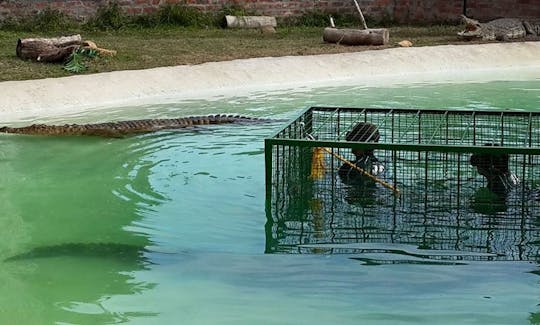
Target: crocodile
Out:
[131,127]
[502,29]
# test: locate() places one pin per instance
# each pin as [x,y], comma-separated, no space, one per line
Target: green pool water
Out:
[169,228]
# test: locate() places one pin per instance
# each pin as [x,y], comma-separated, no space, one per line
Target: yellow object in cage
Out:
[317,163]
[317,167]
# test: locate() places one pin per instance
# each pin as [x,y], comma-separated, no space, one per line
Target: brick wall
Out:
[405,11]
[489,9]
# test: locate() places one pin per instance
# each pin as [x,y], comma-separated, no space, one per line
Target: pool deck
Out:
[447,63]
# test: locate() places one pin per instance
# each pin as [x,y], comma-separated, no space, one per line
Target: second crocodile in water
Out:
[124,128]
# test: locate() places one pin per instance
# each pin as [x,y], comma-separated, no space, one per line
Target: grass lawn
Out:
[149,48]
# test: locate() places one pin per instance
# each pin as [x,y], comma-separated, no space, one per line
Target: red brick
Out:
[405,11]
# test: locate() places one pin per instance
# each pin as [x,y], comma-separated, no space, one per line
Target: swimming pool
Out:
[170,228]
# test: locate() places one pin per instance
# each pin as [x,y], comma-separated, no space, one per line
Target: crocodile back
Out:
[504,29]
[123,128]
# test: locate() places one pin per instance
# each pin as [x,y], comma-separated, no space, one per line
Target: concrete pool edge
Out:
[49,97]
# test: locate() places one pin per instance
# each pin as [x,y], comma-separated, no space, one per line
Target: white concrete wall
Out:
[461,63]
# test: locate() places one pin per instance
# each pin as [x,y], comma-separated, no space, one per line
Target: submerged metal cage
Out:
[442,203]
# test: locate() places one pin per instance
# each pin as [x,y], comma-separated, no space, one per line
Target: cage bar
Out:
[433,157]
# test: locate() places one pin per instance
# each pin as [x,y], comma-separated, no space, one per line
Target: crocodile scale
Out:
[502,29]
[123,128]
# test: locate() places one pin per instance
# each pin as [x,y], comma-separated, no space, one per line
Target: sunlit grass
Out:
[142,48]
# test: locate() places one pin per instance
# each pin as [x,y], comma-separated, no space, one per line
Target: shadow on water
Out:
[67,245]
[120,252]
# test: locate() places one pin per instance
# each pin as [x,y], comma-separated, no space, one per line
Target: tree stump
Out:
[379,36]
[48,49]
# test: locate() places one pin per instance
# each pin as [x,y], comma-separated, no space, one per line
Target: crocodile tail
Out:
[217,119]
[235,118]
[225,118]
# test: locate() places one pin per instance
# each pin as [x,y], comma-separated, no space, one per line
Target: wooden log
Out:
[47,49]
[250,21]
[345,36]
[57,41]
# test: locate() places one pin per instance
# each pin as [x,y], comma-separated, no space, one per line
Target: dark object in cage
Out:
[435,184]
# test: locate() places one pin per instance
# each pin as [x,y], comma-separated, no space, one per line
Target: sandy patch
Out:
[49,97]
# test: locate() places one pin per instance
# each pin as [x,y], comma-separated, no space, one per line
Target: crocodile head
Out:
[473,29]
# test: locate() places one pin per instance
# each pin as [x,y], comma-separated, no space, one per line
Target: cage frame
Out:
[275,140]
[281,147]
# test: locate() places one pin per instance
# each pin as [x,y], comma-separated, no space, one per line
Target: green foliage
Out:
[311,19]
[182,15]
[108,17]
[76,62]
[322,19]
[144,21]
[233,10]
[52,19]
[47,19]
[111,17]
[230,10]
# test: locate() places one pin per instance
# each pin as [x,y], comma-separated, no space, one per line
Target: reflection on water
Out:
[98,216]
[69,249]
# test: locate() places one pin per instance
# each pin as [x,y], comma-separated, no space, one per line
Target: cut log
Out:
[379,36]
[57,41]
[47,49]
[250,21]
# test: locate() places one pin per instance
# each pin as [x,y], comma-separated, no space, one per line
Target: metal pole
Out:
[361,15]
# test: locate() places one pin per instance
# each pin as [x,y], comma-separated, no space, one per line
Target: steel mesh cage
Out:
[431,195]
